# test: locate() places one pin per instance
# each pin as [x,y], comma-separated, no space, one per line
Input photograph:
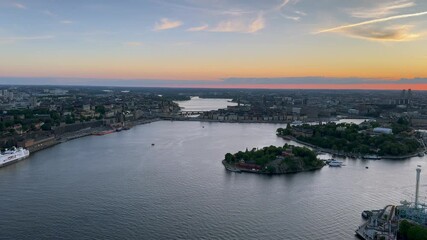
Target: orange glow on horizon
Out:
[418,87]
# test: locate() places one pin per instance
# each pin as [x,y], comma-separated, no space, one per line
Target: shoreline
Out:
[87,132]
[225,121]
[232,168]
[196,119]
[81,134]
[350,155]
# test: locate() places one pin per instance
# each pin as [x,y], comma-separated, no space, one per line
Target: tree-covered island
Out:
[365,140]
[273,160]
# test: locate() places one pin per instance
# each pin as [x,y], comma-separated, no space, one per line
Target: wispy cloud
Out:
[300,13]
[294,18]
[24,38]
[380,20]
[200,7]
[374,29]
[198,29]
[282,5]
[257,25]
[291,15]
[234,12]
[394,33]
[19,5]
[133,44]
[166,24]
[240,25]
[382,10]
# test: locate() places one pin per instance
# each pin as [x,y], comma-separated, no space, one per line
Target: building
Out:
[380,130]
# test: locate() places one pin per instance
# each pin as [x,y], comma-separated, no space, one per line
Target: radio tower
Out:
[417,186]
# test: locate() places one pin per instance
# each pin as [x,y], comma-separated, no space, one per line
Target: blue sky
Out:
[213,39]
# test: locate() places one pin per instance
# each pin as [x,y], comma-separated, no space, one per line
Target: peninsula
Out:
[273,160]
[366,140]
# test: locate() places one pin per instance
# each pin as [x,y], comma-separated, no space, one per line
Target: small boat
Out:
[335,163]
[152,144]
[297,123]
[327,161]
[366,167]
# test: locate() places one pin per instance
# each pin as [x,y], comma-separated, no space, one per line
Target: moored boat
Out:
[13,155]
[297,123]
[335,163]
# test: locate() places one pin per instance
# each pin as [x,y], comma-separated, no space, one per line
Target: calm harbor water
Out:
[205,104]
[119,186]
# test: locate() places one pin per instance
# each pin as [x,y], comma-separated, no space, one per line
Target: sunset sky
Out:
[216,43]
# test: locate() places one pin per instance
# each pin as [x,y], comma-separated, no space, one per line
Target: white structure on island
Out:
[381,130]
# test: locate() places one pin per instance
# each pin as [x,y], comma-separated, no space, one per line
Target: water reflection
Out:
[120,187]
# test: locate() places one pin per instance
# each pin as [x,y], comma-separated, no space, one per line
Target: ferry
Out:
[13,155]
[335,163]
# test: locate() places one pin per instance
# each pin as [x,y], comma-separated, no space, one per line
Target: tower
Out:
[409,96]
[417,186]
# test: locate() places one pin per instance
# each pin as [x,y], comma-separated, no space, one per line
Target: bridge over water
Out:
[190,113]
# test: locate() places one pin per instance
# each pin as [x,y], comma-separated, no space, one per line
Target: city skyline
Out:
[188,43]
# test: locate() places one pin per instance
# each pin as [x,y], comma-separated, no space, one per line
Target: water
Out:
[197,104]
[119,186]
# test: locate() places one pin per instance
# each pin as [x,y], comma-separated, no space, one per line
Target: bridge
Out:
[190,113]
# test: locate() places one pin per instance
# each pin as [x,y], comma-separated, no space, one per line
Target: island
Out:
[273,160]
[367,140]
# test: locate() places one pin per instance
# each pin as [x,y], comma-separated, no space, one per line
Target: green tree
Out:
[229,158]
[271,169]
[46,127]
[100,109]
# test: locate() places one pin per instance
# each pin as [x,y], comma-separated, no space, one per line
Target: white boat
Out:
[335,163]
[297,123]
[10,156]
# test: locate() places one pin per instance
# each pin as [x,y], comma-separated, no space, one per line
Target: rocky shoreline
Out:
[232,168]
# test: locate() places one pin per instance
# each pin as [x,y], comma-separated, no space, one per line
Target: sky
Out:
[361,44]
